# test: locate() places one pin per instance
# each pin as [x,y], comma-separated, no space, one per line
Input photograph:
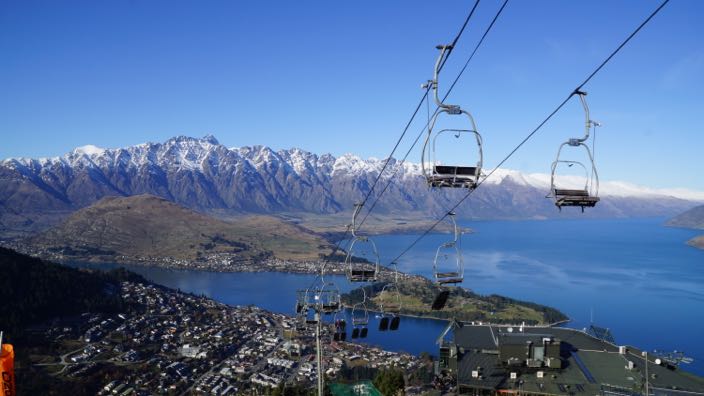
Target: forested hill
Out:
[417,295]
[33,291]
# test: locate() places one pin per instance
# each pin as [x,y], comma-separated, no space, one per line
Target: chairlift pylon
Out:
[437,173]
[362,260]
[589,195]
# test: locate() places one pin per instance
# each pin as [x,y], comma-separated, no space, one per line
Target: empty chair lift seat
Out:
[359,275]
[574,198]
[445,278]
[395,322]
[392,308]
[453,176]
[331,307]
[384,324]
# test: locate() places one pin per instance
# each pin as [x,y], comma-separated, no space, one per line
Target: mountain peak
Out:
[207,139]
[210,139]
[89,150]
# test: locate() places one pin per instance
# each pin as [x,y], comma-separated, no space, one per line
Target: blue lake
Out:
[633,276]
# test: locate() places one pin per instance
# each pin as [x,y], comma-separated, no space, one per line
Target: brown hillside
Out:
[149,226]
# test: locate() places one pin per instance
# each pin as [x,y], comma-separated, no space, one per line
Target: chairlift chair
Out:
[361,249]
[390,304]
[360,320]
[448,266]
[588,196]
[329,298]
[390,308]
[301,304]
[437,173]
[340,324]
[301,325]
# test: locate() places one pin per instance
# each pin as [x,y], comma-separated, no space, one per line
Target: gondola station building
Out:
[522,360]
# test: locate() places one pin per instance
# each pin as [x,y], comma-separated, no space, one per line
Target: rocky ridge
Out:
[204,175]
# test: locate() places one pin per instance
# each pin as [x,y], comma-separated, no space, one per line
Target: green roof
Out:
[361,388]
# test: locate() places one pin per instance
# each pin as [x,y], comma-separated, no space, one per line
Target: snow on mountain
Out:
[606,188]
[203,174]
[187,153]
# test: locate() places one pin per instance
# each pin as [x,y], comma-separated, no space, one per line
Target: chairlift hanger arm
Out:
[455,229]
[588,122]
[444,52]
[357,209]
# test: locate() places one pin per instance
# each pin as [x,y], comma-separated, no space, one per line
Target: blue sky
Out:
[344,77]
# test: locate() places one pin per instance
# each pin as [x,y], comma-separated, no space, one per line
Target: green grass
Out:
[417,294]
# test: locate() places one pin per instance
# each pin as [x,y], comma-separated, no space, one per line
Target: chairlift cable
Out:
[420,134]
[531,134]
[486,32]
[408,124]
[459,34]
[415,112]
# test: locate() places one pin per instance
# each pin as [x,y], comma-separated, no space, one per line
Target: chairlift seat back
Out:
[448,278]
[571,193]
[331,307]
[358,275]
[453,176]
[395,322]
[455,170]
[384,324]
[450,281]
[583,201]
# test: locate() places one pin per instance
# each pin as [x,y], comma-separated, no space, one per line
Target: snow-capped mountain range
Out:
[207,176]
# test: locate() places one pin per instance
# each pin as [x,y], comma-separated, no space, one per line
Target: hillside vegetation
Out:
[693,218]
[145,226]
[33,291]
[417,295]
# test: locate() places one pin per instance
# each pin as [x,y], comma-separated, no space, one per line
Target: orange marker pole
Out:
[7,369]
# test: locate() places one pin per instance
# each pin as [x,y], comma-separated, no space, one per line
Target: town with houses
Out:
[216,262]
[178,343]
